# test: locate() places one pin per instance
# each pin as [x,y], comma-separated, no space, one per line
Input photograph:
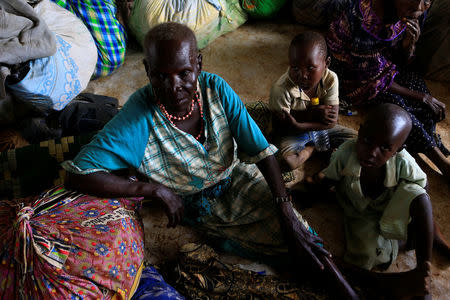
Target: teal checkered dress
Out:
[225,195]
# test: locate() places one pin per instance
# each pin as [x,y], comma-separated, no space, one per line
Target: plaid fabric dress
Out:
[99,16]
[224,197]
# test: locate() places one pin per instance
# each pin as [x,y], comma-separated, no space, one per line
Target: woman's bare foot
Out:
[297,159]
[416,282]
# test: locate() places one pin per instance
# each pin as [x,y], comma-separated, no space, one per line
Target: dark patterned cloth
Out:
[29,170]
[423,133]
[365,52]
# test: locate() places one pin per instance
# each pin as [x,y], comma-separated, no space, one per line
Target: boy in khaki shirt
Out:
[299,126]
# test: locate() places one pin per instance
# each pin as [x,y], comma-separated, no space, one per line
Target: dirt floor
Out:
[250,59]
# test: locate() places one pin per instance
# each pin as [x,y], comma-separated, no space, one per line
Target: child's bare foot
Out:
[297,159]
[439,242]
[416,282]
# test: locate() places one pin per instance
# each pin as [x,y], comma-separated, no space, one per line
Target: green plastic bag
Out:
[262,8]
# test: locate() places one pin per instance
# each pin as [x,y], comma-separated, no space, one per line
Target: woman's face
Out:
[173,67]
[410,9]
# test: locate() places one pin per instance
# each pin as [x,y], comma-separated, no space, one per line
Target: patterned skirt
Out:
[423,134]
[239,215]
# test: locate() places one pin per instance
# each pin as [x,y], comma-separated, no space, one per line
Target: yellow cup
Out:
[315,101]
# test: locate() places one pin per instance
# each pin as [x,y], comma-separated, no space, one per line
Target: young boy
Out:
[300,126]
[381,190]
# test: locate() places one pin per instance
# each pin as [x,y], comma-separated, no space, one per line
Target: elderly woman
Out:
[372,42]
[180,133]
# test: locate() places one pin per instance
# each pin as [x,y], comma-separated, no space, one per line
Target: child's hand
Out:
[325,114]
[286,119]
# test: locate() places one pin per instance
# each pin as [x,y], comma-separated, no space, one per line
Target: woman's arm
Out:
[297,236]
[104,184]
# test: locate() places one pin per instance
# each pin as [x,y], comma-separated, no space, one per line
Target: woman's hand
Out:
[173,204]
[300,238]
[436,106]
[411,36]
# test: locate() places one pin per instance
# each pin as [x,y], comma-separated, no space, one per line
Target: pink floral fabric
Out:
[67,245]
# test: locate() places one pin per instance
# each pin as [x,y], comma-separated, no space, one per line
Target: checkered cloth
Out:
[99,16]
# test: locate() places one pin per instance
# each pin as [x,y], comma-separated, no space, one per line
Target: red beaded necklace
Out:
[171,117]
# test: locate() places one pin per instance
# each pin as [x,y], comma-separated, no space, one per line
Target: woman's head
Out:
[410,9]
[172,63]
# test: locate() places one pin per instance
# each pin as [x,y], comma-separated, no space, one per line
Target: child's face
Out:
[307,65]
[376,146]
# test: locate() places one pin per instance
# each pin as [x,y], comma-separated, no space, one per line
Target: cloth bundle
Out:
[54,80]
[99,16]
[262,8]
[211,19]
[23,36]
[67,245]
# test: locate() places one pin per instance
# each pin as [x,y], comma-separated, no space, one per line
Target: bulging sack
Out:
[54,81]
[67,245]
[211,19]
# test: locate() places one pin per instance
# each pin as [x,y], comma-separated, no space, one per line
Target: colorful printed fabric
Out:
[141,137]
[67,245]
[363,50]
[99,16]
[153,287]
